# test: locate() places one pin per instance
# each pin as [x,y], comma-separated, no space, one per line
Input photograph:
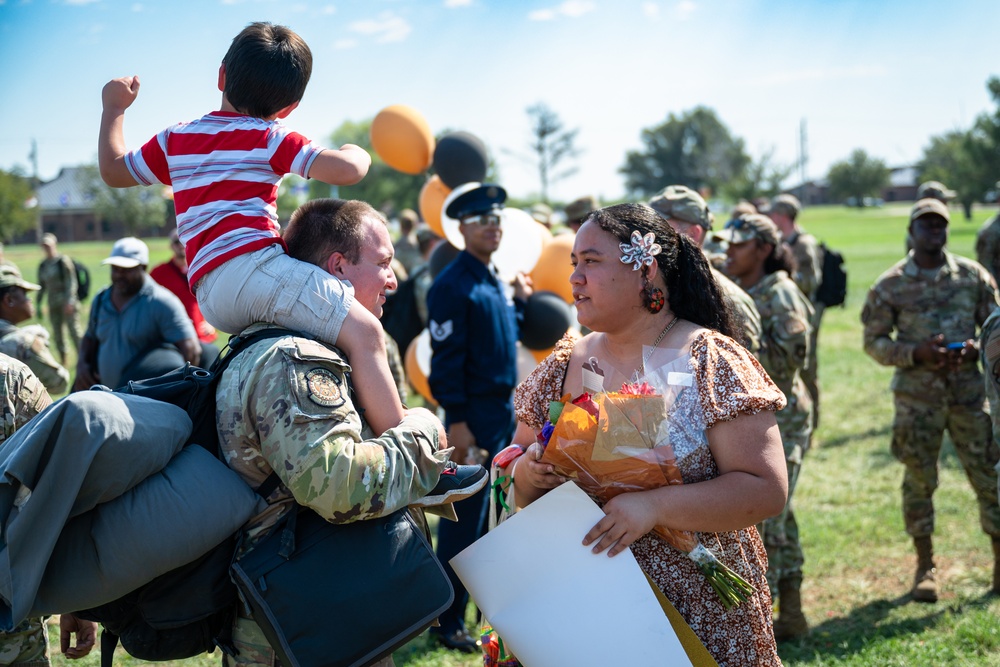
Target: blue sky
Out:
[881,75]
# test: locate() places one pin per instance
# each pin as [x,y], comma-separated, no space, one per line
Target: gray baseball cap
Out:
[128,253]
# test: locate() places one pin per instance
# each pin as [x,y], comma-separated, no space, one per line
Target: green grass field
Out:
[859,560]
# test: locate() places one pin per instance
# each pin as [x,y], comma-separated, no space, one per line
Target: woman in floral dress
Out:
[644,297]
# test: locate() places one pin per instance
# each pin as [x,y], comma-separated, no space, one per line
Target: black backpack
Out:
[400,317]
[189,610]
[82,281]
[832,290]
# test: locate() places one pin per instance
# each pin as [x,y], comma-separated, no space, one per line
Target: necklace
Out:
[639,372]
[645,357]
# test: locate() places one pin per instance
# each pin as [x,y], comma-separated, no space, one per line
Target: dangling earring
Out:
[652,297]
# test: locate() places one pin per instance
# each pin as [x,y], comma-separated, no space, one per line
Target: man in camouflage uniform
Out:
[783,211]
[755,255]
[57,277]
[988,244]
[686,211]
[284,405]
[29,344]
[578,210]
[27,645]
[921,317]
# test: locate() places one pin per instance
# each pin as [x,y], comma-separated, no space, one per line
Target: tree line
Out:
[693,148]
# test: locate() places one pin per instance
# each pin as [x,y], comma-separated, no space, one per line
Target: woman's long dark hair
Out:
[781,259]
[692,291]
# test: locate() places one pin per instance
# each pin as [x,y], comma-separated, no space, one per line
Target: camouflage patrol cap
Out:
[11,277]
[786,204]
[749,227]
[935,190]
[47,239]
[580,208]
[930,206]
[677,202]
[542,213]
[743,208]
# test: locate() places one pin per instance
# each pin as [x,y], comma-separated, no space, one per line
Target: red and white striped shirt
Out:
[225,169]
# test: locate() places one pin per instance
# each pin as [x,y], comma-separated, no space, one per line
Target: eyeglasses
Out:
[483,220]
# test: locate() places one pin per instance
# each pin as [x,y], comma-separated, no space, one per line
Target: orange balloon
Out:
[415,375]
[545,233]
[552,272]
[432,197]
[403,139]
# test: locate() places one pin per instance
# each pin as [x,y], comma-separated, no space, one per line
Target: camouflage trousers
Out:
[809,373]
[254,651]
[917,433]
[60,321]
[781,533]
[27,645]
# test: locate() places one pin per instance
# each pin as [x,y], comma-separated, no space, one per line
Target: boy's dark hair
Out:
[267,68]
[321,227]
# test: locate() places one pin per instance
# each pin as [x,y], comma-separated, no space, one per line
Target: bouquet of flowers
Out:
[614,442]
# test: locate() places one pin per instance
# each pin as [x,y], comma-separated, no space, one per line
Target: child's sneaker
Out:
[456,483]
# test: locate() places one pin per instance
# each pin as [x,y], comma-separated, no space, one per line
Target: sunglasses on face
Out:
[483,220]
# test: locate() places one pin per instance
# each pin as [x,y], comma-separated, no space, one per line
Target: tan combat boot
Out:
[924,585]
[791,622]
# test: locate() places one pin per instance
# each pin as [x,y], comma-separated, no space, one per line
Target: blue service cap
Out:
[483,199]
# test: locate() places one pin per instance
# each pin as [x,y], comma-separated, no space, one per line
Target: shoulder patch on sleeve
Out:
[324,388]
[440,332]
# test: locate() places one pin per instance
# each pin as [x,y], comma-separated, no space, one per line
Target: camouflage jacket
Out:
[745,308]
[30,344]
[988,245]
[809,257]
[57,276]
[905,307]
[284,405]
[23,395]
[785,316]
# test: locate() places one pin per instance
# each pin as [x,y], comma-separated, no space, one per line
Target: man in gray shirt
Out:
[136,328]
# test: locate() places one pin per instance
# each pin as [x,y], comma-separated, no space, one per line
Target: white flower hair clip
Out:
[640,251]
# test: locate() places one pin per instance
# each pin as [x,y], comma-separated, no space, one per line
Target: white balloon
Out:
[520,245]
[525,363]
[424,352]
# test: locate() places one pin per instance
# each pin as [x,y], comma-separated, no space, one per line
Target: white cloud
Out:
[344,44]
[820,74]
[457,3]
[329,9]
[684,9]
[570,9]
[651,10]
[388,27]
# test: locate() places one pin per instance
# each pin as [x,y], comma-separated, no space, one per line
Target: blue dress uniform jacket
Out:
[474,332]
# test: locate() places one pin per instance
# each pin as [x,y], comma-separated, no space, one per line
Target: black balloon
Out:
[546,319]
[441,257]
[460,157]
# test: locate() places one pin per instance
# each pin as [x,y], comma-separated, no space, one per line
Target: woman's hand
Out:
[628,517]
[531,470]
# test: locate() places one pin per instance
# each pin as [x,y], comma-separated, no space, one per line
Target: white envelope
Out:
[554,602]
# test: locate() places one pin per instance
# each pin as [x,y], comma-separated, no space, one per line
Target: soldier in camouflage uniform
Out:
[783,211]
[762,263]
[921,317]
[29,344]
[23,397]
[988,244]
[57,277]
[686,211]
[283,405]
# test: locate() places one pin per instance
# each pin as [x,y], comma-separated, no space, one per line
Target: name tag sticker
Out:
[680,379]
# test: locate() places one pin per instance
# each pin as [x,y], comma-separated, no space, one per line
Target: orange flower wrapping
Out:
[616,452]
